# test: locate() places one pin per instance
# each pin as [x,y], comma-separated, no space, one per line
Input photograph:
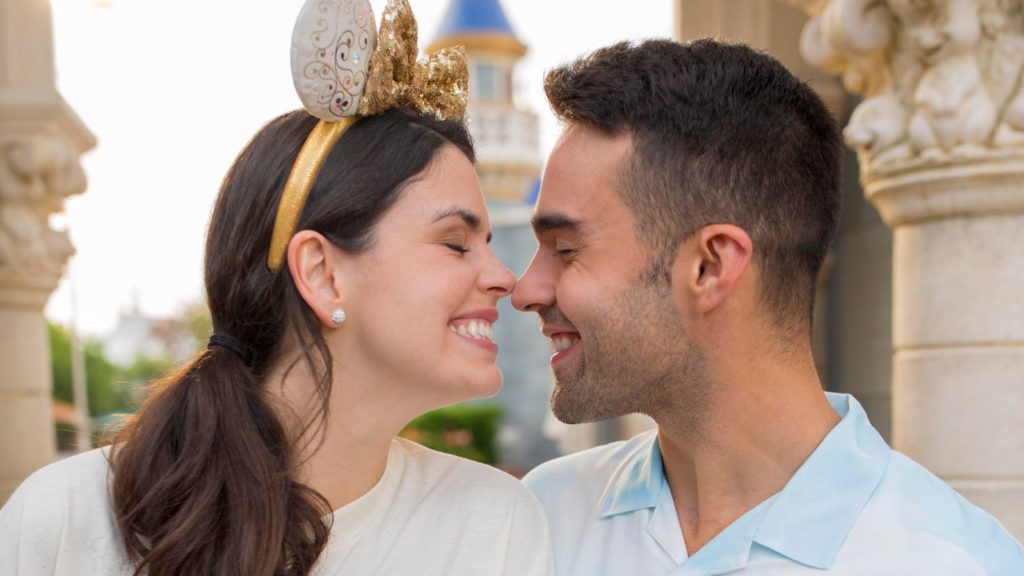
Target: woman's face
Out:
[423,298]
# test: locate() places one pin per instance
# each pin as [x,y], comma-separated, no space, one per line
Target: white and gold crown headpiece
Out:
[343,69]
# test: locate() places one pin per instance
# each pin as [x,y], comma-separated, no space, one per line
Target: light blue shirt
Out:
[855,507]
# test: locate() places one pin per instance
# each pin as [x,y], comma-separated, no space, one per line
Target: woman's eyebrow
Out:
[471,219]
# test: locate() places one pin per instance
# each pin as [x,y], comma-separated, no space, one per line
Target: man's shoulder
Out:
[914,508]
[919,498]
[587,471]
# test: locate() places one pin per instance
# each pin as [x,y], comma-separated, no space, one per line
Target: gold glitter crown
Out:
[340,72]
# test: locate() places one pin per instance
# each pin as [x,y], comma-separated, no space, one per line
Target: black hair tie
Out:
[232,343]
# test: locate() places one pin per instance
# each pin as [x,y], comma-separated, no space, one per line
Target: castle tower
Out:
[505,136]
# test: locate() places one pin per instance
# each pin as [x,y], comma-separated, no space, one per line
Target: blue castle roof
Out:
[475,17]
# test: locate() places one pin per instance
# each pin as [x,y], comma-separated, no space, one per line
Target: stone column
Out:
[41,139]
[940,138]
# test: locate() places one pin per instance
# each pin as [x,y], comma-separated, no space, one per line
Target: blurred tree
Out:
[106,393]
[145,369]
[116,388]
[469,430]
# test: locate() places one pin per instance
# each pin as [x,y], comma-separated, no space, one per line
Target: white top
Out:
[855,507]
[430,514]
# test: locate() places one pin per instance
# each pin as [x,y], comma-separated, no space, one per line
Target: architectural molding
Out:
[971,187]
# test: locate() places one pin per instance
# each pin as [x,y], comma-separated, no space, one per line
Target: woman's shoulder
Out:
[61,515]
[70,489]
[83,475]
[457,474]
[494,502]
[73,468]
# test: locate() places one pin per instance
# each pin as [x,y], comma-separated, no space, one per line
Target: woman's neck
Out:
[343,455]
[346,461]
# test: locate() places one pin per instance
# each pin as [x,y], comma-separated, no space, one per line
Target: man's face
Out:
[617,337]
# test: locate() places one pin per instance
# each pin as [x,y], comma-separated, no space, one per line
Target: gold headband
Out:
[340,74]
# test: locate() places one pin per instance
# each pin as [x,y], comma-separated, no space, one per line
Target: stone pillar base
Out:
[26,423]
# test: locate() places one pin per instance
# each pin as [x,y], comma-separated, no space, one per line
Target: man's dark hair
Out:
[722,134]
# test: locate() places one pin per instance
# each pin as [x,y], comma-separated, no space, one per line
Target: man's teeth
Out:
[563,342]
[477,329]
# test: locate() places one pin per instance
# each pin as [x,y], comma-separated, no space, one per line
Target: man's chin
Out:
[571,410]
[569,417]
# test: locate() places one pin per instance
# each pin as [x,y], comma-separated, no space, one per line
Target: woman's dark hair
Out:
[204,475]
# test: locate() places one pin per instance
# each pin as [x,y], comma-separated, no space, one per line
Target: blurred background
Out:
[118,119]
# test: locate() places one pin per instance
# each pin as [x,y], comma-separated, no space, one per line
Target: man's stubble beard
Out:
[636,358]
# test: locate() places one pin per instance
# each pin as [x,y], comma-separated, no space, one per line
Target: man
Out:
[683,218]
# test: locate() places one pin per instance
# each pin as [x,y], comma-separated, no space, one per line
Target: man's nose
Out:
[535,289]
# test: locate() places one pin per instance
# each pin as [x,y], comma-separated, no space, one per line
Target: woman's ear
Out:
[712,263]
[315,265]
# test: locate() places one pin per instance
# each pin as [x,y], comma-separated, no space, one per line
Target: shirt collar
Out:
[638,481]
[809,519]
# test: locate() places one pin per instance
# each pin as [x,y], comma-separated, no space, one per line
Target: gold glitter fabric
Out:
[436,85]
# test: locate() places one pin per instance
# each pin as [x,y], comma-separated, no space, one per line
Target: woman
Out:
[351,289]
[382,310]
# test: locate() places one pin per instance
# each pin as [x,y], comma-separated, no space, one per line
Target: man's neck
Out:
[752,439]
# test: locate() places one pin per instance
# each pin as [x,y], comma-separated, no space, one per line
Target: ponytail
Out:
[201,484]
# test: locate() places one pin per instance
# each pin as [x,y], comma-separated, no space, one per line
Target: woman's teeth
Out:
[563,342]
[477,329]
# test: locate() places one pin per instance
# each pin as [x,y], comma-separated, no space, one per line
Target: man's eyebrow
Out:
[471,219]
[549,222]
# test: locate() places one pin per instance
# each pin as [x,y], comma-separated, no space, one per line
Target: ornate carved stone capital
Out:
[36,174]
[41,140]
[941,81]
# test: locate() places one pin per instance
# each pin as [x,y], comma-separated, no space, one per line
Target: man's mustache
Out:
[554,315]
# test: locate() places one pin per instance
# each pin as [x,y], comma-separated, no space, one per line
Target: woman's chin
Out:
[482,385]
[492,386]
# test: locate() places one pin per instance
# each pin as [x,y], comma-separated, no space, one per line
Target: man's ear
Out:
[712,262]
[314,264]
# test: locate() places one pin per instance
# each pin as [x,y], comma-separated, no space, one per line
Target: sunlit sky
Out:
[173,89]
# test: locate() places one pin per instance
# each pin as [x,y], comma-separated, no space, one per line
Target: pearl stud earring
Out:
[338,316]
